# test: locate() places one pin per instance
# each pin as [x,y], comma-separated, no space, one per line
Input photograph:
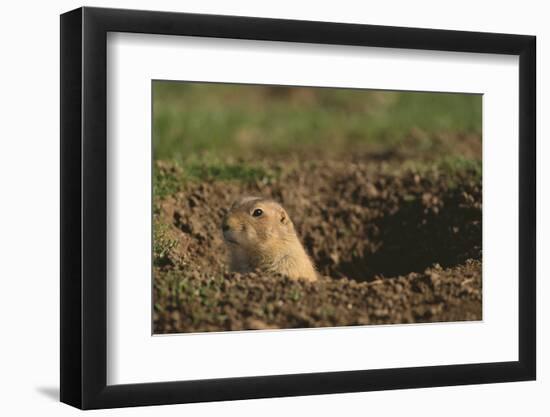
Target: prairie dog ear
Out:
[283,216]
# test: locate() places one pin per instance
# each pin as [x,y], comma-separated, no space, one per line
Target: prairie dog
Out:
[260,235]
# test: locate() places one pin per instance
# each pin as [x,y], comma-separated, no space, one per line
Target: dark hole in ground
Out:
[412,239]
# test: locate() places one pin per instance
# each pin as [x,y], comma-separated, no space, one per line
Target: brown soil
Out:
[394,245]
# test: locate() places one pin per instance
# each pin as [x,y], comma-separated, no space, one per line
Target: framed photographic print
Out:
[258,207]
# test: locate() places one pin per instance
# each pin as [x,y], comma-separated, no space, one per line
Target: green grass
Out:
[223,121]
[166,182]
[226,171]
[169,177]
[456,165]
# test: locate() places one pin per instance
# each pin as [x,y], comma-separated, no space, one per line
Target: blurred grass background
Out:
[198,122]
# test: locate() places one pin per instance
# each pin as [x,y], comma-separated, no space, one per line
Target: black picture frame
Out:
[84,207]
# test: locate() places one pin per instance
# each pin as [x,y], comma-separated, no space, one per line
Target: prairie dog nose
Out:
[228,223]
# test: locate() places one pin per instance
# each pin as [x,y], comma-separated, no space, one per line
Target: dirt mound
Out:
[257,301]
[395,244]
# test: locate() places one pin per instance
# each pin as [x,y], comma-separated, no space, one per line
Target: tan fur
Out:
[267,242]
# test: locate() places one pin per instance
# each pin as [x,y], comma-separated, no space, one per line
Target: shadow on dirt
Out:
[414,238]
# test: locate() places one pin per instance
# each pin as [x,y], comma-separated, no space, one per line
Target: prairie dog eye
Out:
[257,212]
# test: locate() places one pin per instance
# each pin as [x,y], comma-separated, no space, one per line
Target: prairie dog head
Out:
[260,235]
[257,224]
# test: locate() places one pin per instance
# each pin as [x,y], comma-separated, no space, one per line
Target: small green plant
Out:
[295,295]
[162,244]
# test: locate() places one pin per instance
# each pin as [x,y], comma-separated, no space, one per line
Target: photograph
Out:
[288,207]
